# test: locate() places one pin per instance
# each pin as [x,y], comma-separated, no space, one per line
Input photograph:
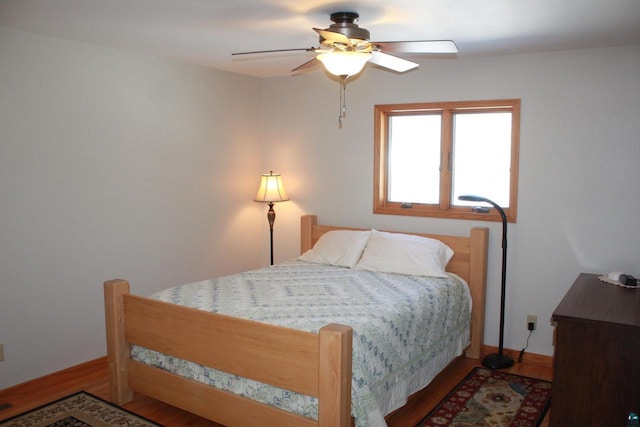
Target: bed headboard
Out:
[469,262]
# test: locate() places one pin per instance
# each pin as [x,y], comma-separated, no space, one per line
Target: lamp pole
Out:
[497,360]
[271,217]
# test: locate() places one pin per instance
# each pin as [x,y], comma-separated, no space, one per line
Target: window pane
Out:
[414,159]
[482,156]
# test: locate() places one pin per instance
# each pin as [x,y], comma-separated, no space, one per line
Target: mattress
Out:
[406,329]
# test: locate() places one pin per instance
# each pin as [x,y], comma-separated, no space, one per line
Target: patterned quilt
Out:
[405,328]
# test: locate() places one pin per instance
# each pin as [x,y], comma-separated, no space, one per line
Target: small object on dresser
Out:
[634,421]
[615,276]
[628,280]
[620,279]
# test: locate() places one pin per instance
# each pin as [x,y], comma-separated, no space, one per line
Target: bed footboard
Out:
[317,365]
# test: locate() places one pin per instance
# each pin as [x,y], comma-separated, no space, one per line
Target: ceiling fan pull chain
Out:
[343,100]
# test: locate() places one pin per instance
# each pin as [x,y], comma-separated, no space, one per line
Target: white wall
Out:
[579,193]
[114,165]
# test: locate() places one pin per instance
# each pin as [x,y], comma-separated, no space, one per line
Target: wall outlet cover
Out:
[531,318]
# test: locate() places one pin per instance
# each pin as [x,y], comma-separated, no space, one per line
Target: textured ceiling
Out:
[206,32]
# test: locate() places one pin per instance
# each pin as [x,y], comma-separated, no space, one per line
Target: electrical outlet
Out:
[532,322]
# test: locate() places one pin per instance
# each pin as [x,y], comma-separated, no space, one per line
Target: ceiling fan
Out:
[345,49]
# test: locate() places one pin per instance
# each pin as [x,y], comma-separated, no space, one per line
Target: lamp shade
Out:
[344,63]
[271,189]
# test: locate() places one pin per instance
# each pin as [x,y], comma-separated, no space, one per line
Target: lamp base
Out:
[497,361]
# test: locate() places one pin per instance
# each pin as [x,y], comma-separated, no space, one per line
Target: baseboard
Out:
[58,376]
[538,359]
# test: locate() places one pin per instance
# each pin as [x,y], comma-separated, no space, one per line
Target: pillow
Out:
[405,254]
[342,248]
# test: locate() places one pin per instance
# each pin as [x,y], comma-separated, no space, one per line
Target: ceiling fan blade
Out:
[333,37]
[392,62]
[426,46]
[307,66]
[308,49]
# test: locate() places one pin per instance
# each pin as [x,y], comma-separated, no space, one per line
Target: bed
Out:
[317,364]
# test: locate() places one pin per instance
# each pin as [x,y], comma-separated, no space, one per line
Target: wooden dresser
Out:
[596,374]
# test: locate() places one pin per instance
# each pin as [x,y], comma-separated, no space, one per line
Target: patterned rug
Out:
[78,410]
[493,398]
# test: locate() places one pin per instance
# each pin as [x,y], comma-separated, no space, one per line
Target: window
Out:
[426,155]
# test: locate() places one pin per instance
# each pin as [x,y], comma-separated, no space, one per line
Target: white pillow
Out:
[342,248]
[405,254]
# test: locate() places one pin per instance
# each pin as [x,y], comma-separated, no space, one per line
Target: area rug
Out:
[492,398]
[78,410]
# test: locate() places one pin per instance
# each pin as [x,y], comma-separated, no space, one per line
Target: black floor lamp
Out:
[497,360]
[271,191]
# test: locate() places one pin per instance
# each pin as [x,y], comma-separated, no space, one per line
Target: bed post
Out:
[334,382]
[478,287]
[307,222]
[118,349]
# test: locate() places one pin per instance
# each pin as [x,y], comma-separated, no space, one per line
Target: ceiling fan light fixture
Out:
[344,63]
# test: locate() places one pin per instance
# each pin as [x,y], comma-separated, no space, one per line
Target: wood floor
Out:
[92,377]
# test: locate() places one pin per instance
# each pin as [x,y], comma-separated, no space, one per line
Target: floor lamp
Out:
[271,191]
[497,360]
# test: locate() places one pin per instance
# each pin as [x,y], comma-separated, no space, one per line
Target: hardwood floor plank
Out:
[92,377]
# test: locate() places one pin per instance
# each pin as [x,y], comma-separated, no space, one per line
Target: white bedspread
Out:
[406,329]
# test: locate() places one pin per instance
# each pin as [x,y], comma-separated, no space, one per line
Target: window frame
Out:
[444,209]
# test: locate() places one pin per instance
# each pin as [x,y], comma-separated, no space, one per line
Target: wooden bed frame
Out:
[317,365]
